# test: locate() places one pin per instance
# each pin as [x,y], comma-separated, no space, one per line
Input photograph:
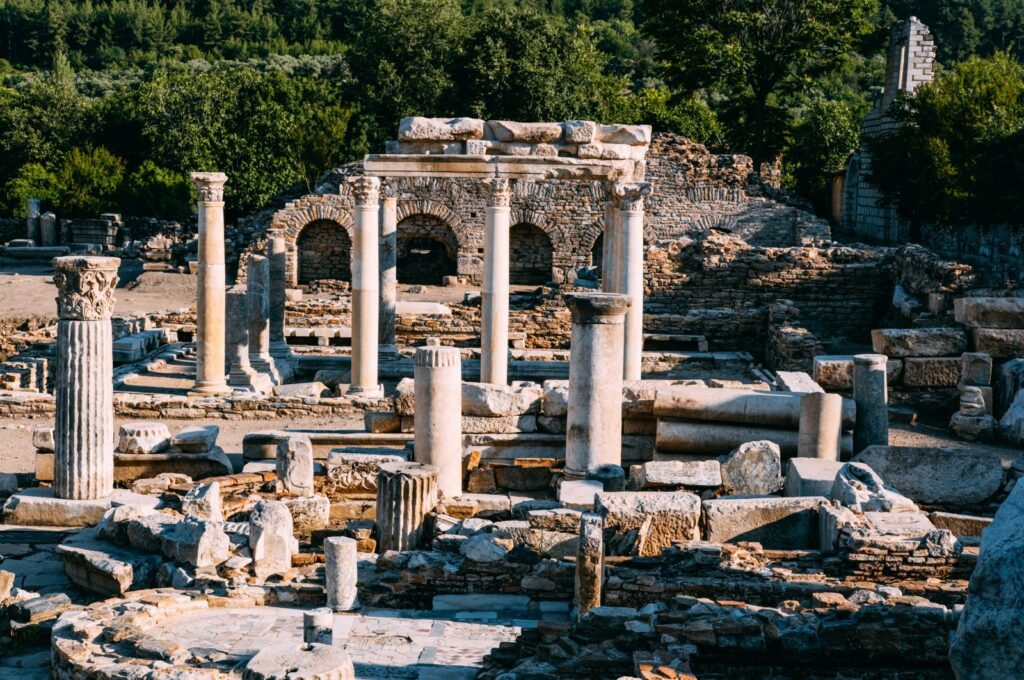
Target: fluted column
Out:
[257,283]
[594,424]
[406,493]
[494,296]
[388,269]
[630,224]
[438,417]
[277,253]
[365,286]
[210,369]
[84,428]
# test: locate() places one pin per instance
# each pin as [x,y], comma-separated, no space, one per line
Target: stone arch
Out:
[296,215]
[323,251]
[428,249]
[530,255]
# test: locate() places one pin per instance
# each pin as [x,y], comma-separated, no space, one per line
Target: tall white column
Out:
[365,286]
[277,253]
[210,369]
[630,223]
[388,268]
[494,296]
[438,418]
[594,424]
[84,428]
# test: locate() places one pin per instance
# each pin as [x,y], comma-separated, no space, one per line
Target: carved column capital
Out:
[499,192]
[629,197]
[210,186]
[85,287]
[366,190]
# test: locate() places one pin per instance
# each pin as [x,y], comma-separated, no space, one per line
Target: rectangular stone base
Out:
[39,507]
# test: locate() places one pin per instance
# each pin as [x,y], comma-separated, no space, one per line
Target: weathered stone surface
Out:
[499,424]
[314,390]
[204,502]
[675,474]
[834,372]
[309,513]
[776,523]
[382,423]
[937,476]
[974,428]
[1001,343]
[579,131]
[349,472]
[42,439]
[555,401]
[485,399]
[960,525]
[485,548]
[918,342]
[271,538]
[341,560]
[988,645]
[295,465]
[611,476]
[294,660]
[976,368]
[37,506]
[405,397]
[101,567]
[198,543]
[419,129]
[989,312]
[532,133]
[143,438]
[1011,425]
[659,517]
[196,439]
[631,135]
[861,489]
[754,468]
[931,372]
[579,493]
[555,519]
[810,476]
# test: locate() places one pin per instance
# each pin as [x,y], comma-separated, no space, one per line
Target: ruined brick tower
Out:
[908,66]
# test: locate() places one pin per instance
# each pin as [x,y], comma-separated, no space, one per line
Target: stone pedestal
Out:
[589,563]
[341,573]
[294,465]
[318,626]
[821,431]
[388,269]
[594,423]
[271,538]
[406,493]
[365,286]
[257,286]
[494,295]
[210,370]
[242,375]
[84,429]
[277,253]
[437,422]
[629,204]
[870,392]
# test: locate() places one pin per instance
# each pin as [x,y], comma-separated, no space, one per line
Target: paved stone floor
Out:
[382,643]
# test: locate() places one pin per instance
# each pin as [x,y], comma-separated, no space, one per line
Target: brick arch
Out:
[428,249]
[297,215]
[531,254]
[437,210]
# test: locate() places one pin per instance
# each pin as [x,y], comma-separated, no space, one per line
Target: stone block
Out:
[976,369]
[42,439]
[579,493]
[355,473]
[834,372]
[382,423]
[861,489]
[487,400]
[522,478]
[271,538]
[960,525]
[555,519]
[196,439]
[44,466]
[902,524]
[101,567]
[810,476]
[555,402]
[1000,343]
[309,513]
[203,501]
[300,660]
[421,129]
[676,474]
[405,397]
[937,476]
[308,390]
[579,131]
[989,312]
[753,468]
[531,133]
[918,342]
[499,424]
[660,517]
[775,523]
[931,372]
[796,381]
[39,507]
[631,135]
[197,543]
[144,437]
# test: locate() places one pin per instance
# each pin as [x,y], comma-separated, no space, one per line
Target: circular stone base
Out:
[290,661]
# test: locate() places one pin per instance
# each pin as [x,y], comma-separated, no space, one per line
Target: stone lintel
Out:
[512,167]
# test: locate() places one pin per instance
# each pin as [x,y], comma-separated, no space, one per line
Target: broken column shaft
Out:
[438,417]
[870,391]
[406,493]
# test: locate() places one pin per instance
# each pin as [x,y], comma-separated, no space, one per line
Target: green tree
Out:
[825,135]
[32,181]
[88,182]
[753,52]
[153,191]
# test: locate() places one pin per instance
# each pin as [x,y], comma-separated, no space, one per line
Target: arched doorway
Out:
[427,250]
[597,252]
[529,255]
[324,252]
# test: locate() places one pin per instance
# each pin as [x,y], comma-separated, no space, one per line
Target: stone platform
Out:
[39,507]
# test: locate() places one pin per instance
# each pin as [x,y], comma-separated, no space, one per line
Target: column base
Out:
[209,389]
[250,381]
[373,392]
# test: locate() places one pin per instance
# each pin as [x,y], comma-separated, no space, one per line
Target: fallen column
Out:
[406,493]
[438,416]
[722,404]
[821,431]
[717,439]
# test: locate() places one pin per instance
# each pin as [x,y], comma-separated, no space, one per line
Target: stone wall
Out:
[324,251]
[996,252]
[427,250]
[530,255]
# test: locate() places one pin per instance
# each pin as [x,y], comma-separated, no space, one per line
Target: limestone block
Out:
[810,476]
[1000,343]
[834,372]
[610,152]
[292,660]
[427,148]
[633,135]
[861,489]
[532,133]
[39,506]
[566,520]
[931,372]
[796,381]
[309,513]
[960,525]
[989,312]
[753,468]
[144,437]
[775,523]
[196,439]
[42,439]
[420,129]
[976,369]
[676,474]
[294,465]
[973,427]
[485,548]
[382,423]
[100,567]
[918,342]
[555,401]
[660,517]
[486,399]
[405,397]
[499,424]
[309,390]
[579,493]
[198,543]
[332,378]
[349,472]
[937,476]
[204,502]
[271,538]
[579,131]
[900,524]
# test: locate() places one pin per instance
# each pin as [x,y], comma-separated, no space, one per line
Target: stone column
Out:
[257,284]
[629,203]
[821,426]
[32,223]
[341,574]
[365,286]
[870,391]
[494,296]
[589,563]
[609,277]
[388,269]
[242,375]
[406,493]
[594,425]
[277,253]
[210,371]
[84,428]
[47,230]
[437,421]
[318,626]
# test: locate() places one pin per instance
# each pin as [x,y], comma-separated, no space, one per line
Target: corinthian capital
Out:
[365,189]
[210,185]
[630,197]
[85,287]
[499,192]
